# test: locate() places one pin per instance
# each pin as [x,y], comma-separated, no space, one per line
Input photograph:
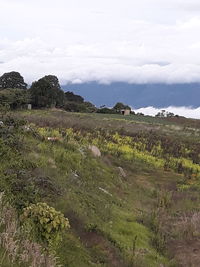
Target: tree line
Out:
[45,93]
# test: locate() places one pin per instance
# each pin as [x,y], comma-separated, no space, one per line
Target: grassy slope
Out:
[123,124]
[110,215]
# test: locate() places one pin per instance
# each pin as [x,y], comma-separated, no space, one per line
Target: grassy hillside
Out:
[135,205]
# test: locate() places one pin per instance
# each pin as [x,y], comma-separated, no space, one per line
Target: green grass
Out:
[107,212]
[82,177]
[181,127]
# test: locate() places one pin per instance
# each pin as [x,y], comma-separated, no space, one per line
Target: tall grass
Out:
[18,250]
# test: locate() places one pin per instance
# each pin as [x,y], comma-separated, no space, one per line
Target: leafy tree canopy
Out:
[46,92]
[119,106]
[14,98]
[70,96]
[53,80]
[165,114]
[90,107]
[79,107]
[12,79]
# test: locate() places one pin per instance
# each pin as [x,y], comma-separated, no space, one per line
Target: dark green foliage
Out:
[53,80]
[118,109]
[60,98]
[90,107]
[46,92]
[85,107]
[42,94]
[74,107]
[165,114]
[14,169]
[106,111]
[119,106]
[14,98]
[75,103]
[12,80]
[70,96]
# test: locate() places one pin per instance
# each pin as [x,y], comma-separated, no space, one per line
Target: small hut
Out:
[125,112]
[29,106]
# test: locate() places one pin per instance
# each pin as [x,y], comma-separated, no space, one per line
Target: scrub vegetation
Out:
[94,188]
[137,204]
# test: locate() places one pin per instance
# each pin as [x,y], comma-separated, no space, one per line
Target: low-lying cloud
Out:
[181,111]
[106,41]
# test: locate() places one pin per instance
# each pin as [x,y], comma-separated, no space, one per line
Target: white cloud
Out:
[181,111]
[149,41]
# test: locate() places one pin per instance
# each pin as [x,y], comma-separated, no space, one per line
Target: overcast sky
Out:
[104,40]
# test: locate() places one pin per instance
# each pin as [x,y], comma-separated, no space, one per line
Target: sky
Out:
[145,41]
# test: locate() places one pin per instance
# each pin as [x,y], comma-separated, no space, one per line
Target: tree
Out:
[46,92]
[60,98]
[76,103]
[72,106]
[14,98]
[70,96]
[165,114]
[53,80]
[12,80]
[86,107]
[119,106]
[42,94]
[170,115]
[90,107]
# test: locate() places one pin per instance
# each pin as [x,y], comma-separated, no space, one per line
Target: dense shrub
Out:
[71,97]
[106,111]
[86,107]
[44,223]
[14,98]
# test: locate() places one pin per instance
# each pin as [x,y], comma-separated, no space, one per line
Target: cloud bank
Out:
[181,111]
[106,41]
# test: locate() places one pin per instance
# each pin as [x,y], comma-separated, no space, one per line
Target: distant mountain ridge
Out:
[139,95]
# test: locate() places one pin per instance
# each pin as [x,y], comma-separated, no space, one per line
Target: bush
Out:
[70,96]
[14,98]
[45,224]
[79,107]
[106,111]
